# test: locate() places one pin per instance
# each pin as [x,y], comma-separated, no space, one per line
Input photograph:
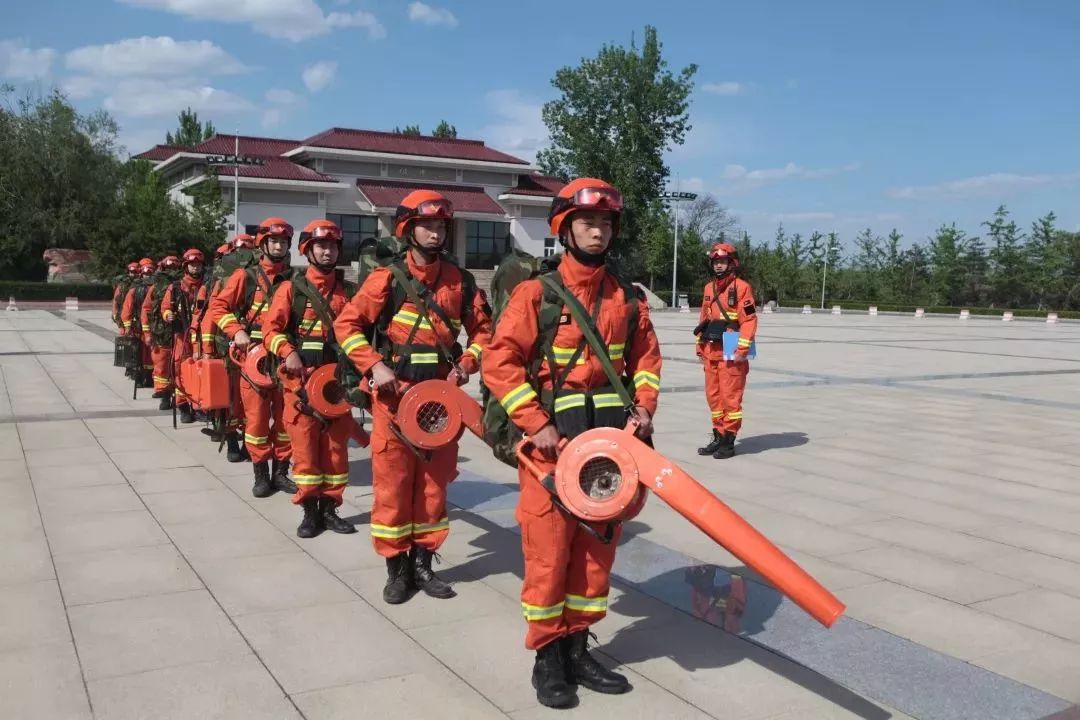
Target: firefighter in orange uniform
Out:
[179,307]
[298,328]
[160,349]
[237,311]
[566,566]
[120,294]
[131,310]
[727,305]
[408,517]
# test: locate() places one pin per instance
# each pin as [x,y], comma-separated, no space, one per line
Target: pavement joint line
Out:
[52,558]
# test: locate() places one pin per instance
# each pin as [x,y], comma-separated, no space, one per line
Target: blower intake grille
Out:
[600,478]
[432,417]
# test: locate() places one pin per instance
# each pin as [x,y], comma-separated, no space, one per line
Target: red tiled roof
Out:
[389,193]
[161,152]
[374,141]
[226,145]
[537,184]
[275,168]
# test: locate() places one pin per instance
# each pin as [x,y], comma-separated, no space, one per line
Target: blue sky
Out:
[832,115]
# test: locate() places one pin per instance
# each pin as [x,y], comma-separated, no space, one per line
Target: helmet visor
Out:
[600,198]
[435,209]
[326,232]
[277,229]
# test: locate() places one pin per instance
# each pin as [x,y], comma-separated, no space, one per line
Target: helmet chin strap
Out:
[321,267]
[585,258]
[428,253]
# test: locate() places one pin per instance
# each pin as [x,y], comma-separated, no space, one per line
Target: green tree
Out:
[947,274]
[868,264]
[974,262]
[444,130]
[893,269]
[1047,265]
[190,131]
[58,175]
[616,116]
[206,215]
[1008,267]
[409,130]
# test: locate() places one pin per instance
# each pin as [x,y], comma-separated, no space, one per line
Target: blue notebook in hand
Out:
[731,343]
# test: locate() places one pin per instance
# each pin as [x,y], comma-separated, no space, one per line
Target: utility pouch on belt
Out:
[416,363]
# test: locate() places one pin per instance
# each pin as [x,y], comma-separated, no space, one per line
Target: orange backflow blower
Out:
[322,396]
[206,382]
[599,477]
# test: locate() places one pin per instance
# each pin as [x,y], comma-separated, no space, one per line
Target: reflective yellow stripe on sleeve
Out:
[517,397]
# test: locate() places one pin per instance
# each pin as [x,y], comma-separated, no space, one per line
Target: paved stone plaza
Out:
[926,471]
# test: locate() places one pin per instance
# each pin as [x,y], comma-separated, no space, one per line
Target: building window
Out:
[486,243]
[251,230]
[549,246]
[354,228]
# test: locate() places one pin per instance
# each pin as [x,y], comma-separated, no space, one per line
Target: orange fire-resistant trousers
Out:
[409,505]
[725,381]
[181,351]
[566,568]
[264,440]
[161,357]
[320,454]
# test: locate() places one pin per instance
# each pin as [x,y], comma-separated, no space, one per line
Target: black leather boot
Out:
[233,453]
[311,525]
[166,402]
[549,677]
[158,394]
[186,415]
[262,487]
[279,476]
[717,438]
[398,580]
[583,669]
[331,520]
[727,447]
[425,578]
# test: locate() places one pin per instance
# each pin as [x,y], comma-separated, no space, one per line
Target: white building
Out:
[357,178]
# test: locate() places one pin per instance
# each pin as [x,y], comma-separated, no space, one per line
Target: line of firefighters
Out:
[401,327]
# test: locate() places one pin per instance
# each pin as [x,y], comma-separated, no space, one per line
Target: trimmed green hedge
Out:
[40,291]
[940,309]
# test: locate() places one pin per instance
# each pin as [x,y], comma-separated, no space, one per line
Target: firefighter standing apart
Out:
[131,311]
[416,308]
[727,305]
[298,328]
[160,342]
[120,294]
[179,308]
[237,310]
[566,566]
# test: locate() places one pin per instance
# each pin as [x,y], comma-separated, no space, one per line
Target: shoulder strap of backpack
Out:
[588,330]
[310,295]
[417,295]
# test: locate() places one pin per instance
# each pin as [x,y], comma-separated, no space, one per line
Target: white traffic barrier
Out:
[1051,318]
[11,304]
[965,314]
[920,312]
[806,310]
[71,303]
[684,303]
[768,309]
[836,310]
[1007,316]
[873,309]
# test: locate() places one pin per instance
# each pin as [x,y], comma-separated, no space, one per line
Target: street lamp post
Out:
[235,160]
[825,273]
[676,197]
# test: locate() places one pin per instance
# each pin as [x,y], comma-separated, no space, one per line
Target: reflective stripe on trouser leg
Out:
[713,393]
[334,459]
[257,409]
[161,357]
[546,541]
[279,437]
[393,470]
[732,384]
[305,433]
[588,578]
[430,523]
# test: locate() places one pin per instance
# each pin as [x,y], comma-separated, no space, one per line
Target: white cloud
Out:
[272,118]
[81,87]
[428,15]
[994,184]
[318,75]
[728,87]
[19,62]
[151,98]
[288,19]
[738,178]
[153,57]
[518,128]
[277,96]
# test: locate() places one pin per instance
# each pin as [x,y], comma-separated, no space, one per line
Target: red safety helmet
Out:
[727,250]
[193,255]
[585,194]
[133,268]
[421,204]
[146,262]
[146,270]
[319,230]
[169,262]
[271,226]
[243,240]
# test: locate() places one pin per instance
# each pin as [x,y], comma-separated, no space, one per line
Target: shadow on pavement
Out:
[770,441]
